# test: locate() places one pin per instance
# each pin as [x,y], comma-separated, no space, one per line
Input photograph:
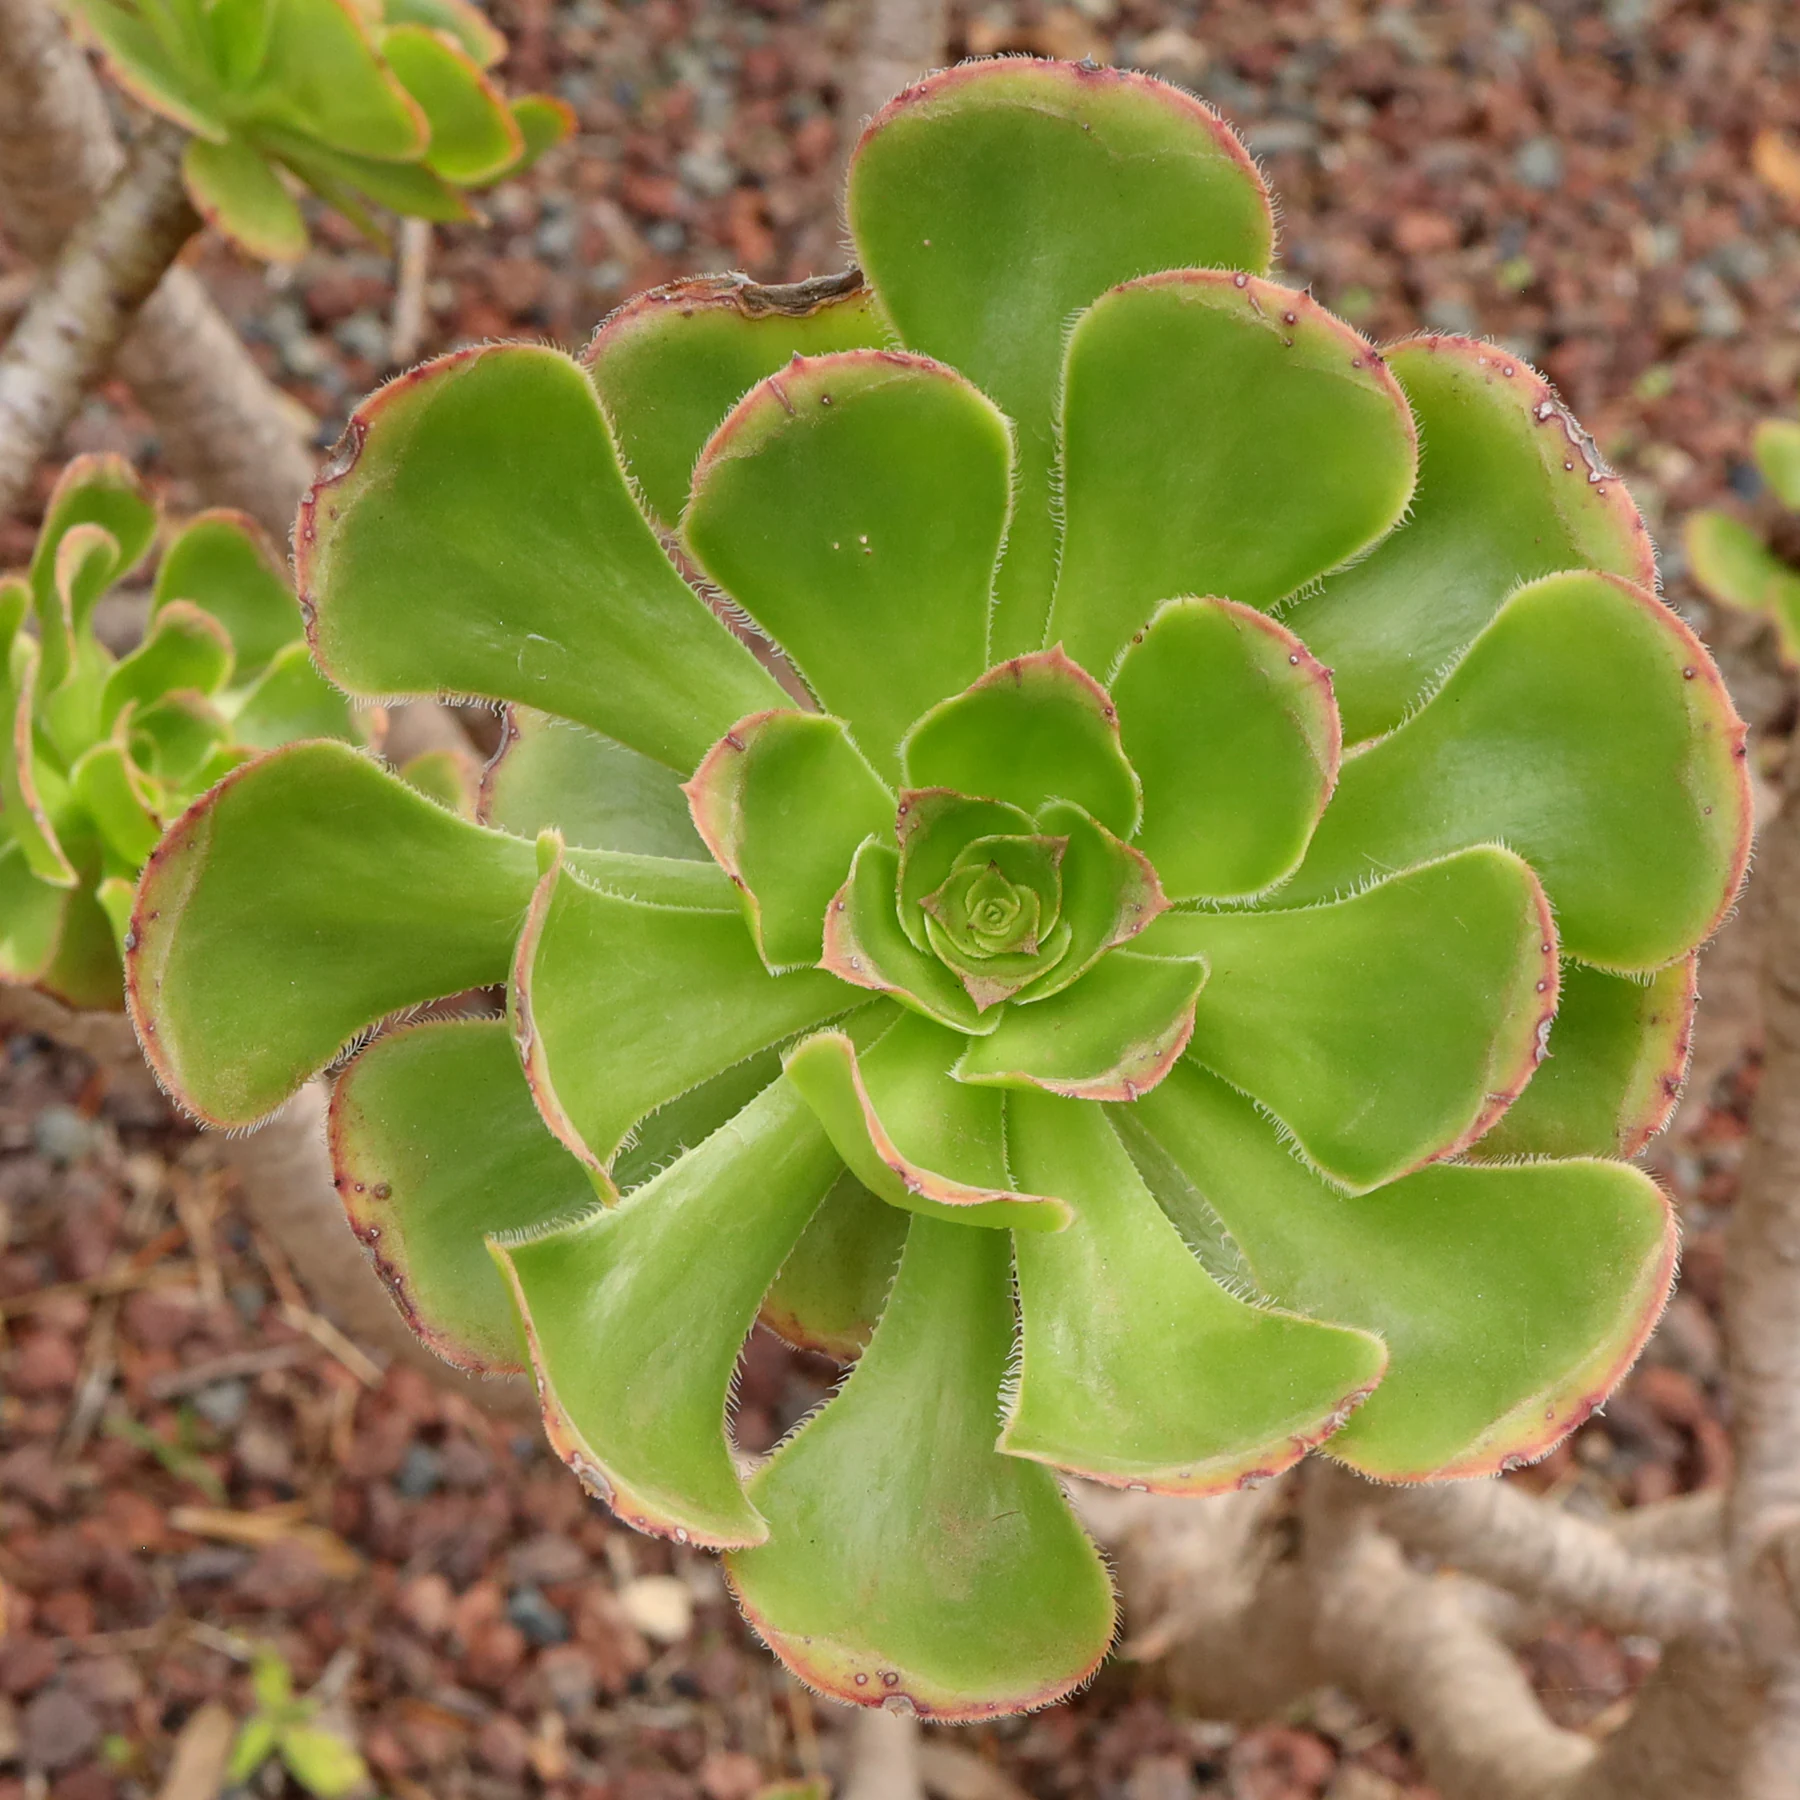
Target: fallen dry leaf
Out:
[1776,159]
[285,1524]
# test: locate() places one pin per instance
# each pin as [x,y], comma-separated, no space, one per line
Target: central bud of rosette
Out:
[990,890]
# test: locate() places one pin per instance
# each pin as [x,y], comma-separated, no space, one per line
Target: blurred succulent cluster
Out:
[1756,567]
[1068,833]
[369,103]
[101,750]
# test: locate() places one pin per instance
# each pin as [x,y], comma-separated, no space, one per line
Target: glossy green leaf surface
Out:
[435,1143]
[992,202]
[782,801]
[1511,1299]
[671,363]
[635,1316]
[1612,1068]
[911,1133]
[1588,730]
[352,184]
[835,1282]
[474,137]
[1136,1368]
[895,1526]
[1384,1030]
[551,775]
[1033,729]
[1510,488]
[1111,1036]
[854,505]
[619,1005]
[221,561]
[233,188]
[307,896]
[1229,721]
[1298,451]
[404,558]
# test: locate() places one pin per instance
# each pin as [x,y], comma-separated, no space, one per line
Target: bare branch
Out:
[1540,1552]
[222,423]
[84,302]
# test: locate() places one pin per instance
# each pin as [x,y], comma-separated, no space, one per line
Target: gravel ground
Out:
[1613,191]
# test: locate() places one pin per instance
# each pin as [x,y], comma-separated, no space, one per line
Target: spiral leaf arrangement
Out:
[100,751]
[1162,970]
[383,103]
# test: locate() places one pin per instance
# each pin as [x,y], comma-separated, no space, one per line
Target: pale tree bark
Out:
[86,300]
[221,422]
[1763,1323]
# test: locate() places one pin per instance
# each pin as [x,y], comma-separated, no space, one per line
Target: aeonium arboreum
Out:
[103,746]
[1049,1015]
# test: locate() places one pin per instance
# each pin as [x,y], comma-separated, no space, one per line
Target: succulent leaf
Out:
[1588,730]
[462,19]
[782,801]
[321,78]
[440,473]
[672,362]
[474,136]
[221,561]
[992,202]
[1775,447]
[1510,489]
[620,1004]
[835,1282]
[233,188]
[436,1143]
[853,505]
[185,647]
[1072,829]
[1111,1036]
[894,1526]
[1612,1069]
[551,775]
[291,700]
[1388,1029]
[240,993]
[910,1133]
[1136,1368]
[31,917]
[865,946]
[1230,723]
[109,787]
[23,777]
[636,1313]
[1511,1300]
[1267,497]
[1033,729]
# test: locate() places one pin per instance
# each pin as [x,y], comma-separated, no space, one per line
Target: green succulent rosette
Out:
[1161,972]
[1740,568]
[369,103]
[102,751]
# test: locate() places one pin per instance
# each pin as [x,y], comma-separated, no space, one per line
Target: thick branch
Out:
[1763,1305]
[104,273]
[1540,1552]
[221,422]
